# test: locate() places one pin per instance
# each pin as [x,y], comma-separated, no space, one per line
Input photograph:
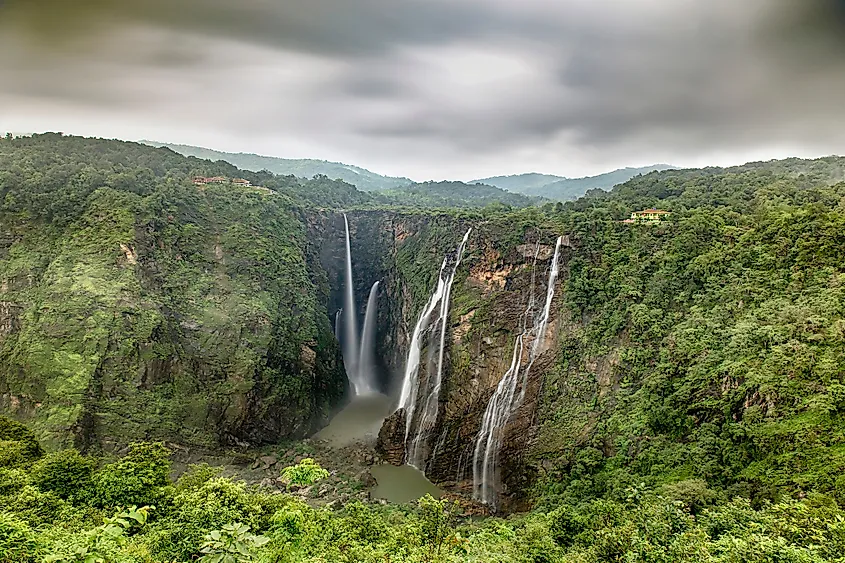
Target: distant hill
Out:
[456,194]
[564,189]
[303,168]
[520,182]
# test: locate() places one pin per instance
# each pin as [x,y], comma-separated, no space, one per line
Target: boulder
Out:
[267,461]
[391,438]
[366,478]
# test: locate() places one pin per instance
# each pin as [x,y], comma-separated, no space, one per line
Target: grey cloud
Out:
[339,28]
[388,77]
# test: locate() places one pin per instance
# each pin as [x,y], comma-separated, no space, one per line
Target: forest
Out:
[693,410]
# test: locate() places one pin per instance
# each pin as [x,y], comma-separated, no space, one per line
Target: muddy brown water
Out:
[401,484]
[360,421]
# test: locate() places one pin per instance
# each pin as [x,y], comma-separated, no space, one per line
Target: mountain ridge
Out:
[365,180]
[548,186]
[567,189]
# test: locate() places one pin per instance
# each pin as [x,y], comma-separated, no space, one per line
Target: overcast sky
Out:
[434,89]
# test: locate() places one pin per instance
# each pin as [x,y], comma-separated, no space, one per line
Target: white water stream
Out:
[506,400]
[358,355]
[420,399]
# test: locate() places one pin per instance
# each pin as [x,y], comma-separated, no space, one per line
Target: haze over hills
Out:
[565,189]
[520,182]
[547,186]
[301,167]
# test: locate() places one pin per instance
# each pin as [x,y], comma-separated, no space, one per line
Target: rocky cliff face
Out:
[210,325]
[487,318]
[191,316]
[490,294]
[401,250]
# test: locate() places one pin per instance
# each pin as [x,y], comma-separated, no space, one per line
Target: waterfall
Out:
[366,357]
[337,324]
[421,421]
[350,347]
[505,400]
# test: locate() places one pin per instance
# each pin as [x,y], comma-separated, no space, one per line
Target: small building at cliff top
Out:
[647,216]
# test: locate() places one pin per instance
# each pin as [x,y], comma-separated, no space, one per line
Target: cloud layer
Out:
[437,88]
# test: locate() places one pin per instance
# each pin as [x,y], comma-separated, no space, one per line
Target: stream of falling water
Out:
[366,357]
[337,324]
[420,422]
[505,400]
[351,348]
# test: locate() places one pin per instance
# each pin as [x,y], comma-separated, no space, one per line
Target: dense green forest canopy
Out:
[456,195]
[694,411]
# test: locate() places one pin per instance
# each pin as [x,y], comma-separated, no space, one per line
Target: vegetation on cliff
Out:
[134,303]
[694,411]
[708,348]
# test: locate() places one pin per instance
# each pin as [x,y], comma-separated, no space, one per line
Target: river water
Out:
[401,484]
[360,421]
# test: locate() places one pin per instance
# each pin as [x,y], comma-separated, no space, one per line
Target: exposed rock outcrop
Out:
[391,438]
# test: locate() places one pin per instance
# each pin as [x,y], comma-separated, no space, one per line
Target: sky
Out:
[437,89]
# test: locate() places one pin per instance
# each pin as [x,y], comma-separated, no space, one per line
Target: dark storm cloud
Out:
[420,81]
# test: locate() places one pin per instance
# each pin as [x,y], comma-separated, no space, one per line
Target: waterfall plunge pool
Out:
[401,484]
[360,422]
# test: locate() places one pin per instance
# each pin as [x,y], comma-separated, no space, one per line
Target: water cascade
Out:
[337,324]
[358,350]
[506,400]
[366,357]
[420,399]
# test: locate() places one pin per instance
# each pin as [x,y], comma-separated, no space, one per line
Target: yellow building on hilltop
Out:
[647,216]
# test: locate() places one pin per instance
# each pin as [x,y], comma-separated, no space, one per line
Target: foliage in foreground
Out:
[61,510]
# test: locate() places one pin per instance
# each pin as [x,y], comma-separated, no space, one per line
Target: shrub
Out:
[289,522]
[692,493]
[211,506]
[136,479]
[564,525]
[305,473]
[13,453]
[65,473]
[435,521]
[18,542]
[107,543]
[12,481]
[196,476]
[232,544]
[35,506]
[14,431]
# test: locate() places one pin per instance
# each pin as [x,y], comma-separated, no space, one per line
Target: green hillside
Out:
[302,168]
[455,195]
[566,189]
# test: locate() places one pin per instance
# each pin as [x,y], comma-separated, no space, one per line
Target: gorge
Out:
[587,375]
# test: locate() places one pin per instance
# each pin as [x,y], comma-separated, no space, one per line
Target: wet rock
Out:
[467,507]
[366,478]
[267,461]
[391,438]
